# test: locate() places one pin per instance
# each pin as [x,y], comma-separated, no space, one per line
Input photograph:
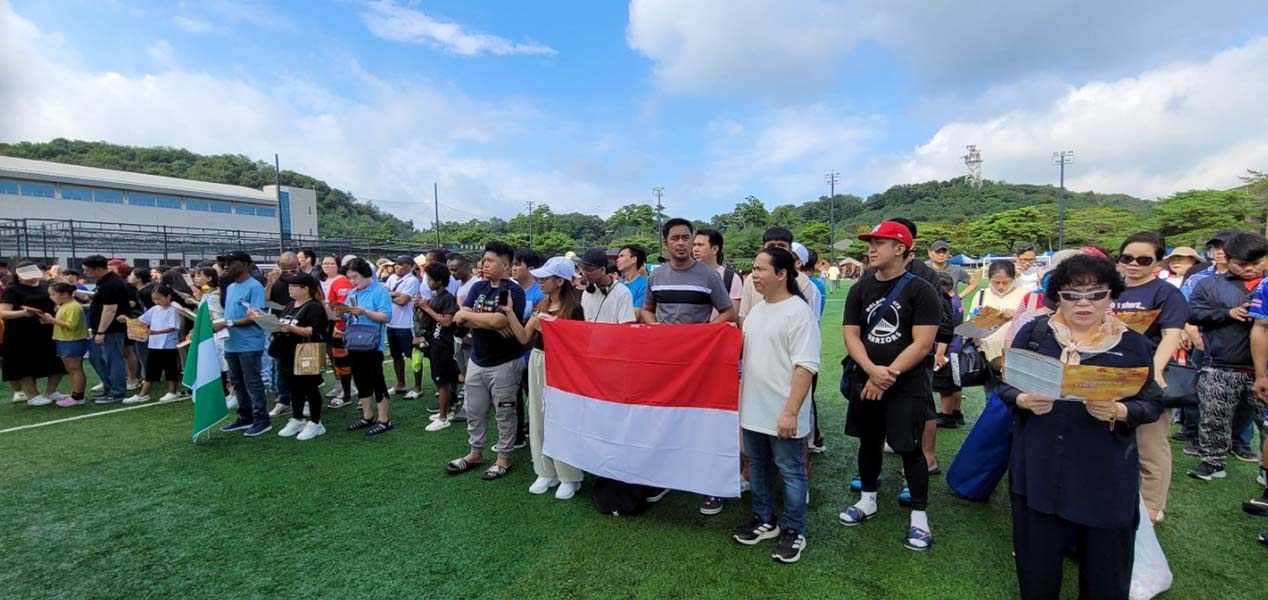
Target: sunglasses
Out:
[1093,296]
[1143,261]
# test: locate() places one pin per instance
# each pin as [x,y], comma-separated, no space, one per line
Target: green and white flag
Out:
[202,375]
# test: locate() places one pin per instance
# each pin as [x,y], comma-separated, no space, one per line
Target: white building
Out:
[42,196]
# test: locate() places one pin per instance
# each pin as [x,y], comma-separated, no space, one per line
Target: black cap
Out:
[939,245]
[594,257]
[236,256]
[1222,237]
[303,279]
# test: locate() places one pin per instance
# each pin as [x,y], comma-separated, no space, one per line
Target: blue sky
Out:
[588,105]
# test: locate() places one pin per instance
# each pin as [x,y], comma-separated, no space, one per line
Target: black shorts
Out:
[444,369]
[400,342]
[944,380]
[162,365]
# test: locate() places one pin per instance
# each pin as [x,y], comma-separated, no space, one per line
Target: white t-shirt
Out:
[616,306]
[464,288]
[160,318]
[777,338]
[402,316]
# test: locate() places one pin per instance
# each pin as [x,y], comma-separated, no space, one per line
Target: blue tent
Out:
[963,259]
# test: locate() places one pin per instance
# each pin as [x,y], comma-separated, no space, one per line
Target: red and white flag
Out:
[650,404]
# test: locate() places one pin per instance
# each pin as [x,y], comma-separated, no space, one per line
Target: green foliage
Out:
[1003,231]
[1186,217]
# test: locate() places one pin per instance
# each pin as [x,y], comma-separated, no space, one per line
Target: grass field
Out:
[125,506]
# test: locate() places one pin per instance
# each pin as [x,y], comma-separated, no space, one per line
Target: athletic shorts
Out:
[400,342]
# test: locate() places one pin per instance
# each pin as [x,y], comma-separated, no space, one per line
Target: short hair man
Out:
[245,346]
[630,262]
[111,300]
[606,300]
[707,248]
[403,286]
[939,260]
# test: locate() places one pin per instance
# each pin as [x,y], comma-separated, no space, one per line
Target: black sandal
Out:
[380,427]
[460,465]
[361,423]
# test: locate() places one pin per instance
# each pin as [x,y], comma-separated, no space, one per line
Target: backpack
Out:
[617,498]
[728,277]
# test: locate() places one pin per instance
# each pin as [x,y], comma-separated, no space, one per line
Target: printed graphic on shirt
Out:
[889,328]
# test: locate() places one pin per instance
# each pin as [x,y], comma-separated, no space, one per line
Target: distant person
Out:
[368,304]
[244,349]
[29,351]
[308,263]
[521,272]
[276,295]
[70,333]
[630,262]
[109,300]
[707,248]
[341,393]
[939,259]
[460,272]
[402,287]
[303,321]
[1177,263]
[773,237]
[1028,271]
[162,362]
[834,278]
[434,334]
[606,299]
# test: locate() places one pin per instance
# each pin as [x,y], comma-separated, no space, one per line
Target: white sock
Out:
[920,520]
[867,503]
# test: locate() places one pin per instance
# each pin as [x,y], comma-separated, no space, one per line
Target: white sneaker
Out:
[567,490]
[100,387]
[134,385]
[410,395]
[280,409]
[19,396]
[542,485]
[293,426]
[311,430]
[437,425]
[136,399]
[231,402]
[55,396]
[40,400]
[171,397]
[433,417]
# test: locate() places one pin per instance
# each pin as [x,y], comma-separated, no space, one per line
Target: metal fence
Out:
[66,242]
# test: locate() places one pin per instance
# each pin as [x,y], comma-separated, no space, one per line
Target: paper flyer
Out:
[1035,373]
[987,321]
[1139,321]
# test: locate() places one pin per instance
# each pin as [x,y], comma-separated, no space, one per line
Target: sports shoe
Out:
[238,425]
[567,490]
[756,531]
[100,387]
[791,543]
[818,446]
[311,430]
[134,384]
[433,418]
[542,485]
[69,401]
[1263,537]
[396,391]
[412,394]
[1206,472]
[21,396]
[258,429]
[711,506]
[438,425]
[658,496]
[136,399]
[1245,455]
[1192,448]
[293,427]
[171,397]
[103,399]
[280,409]
[520,445]
[1257,506]
[40,400]
[946,421]
[1179,437]
[959,418]
[55,396]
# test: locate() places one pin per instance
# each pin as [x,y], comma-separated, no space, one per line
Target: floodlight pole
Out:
[1061,159]
[832,179]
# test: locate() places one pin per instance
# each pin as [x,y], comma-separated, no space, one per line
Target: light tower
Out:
[973,162]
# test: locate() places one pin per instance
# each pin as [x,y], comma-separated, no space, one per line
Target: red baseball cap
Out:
[889,230]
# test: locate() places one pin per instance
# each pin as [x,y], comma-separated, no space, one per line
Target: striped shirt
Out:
[685,296]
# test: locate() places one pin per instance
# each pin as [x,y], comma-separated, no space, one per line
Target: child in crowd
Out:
[163,361]
[70,331]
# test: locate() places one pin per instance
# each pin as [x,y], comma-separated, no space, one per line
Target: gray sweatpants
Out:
[1221,393]
[492,388]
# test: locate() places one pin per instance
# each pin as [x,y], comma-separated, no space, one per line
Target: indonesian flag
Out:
[650,404]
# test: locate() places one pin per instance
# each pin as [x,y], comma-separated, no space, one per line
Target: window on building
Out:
[199,205]
[261,211]
[221,207]
[9,187]
[168,202]
[137,199]
[107,196]
[244,209]
[74,193]
[37,190]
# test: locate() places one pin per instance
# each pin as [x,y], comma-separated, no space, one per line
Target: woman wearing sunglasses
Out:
[1074,469]
[1138,260]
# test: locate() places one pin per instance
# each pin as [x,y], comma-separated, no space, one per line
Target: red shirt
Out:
[340,287]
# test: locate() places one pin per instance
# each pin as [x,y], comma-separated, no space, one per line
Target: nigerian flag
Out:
[202,375]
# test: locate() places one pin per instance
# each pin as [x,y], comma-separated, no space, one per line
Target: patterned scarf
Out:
[1108,335]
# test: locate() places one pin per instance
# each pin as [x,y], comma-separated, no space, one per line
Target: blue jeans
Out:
[244,374]
[790,458]
[107,360]
[281,382]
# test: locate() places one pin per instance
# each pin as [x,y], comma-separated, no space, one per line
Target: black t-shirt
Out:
[578,314]
[311,314]
[488,347]
[111,289]
[281,294]
[21,296]
[443,303]
[146,296]
[1158,294]
[918,304]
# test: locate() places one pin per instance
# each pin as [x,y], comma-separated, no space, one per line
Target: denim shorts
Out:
[75,349]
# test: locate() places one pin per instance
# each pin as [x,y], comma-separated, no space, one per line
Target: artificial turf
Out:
[125,506]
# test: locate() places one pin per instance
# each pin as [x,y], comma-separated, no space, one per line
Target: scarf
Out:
[1108,335]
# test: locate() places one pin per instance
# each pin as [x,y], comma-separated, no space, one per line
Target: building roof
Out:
[40,170]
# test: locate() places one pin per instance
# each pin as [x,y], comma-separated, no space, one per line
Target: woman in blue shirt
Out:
[1075,468]
[369,303]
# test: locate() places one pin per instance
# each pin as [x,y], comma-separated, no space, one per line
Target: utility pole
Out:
[435,194]
[1062,159]
[277,180]
[832,179]
[658,191]
[530,224]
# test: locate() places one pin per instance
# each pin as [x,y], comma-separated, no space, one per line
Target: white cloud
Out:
[161,52]
[389,144]
[193,25]
[1184,125]
[396,23]
[789,48]
[249,12]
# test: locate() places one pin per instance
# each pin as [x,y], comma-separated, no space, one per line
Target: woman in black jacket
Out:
[1075,470]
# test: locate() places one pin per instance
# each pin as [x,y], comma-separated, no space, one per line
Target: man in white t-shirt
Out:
[707,248]
[461,275]
[605,300]
[403,286]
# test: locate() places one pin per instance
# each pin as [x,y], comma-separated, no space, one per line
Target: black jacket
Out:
[1227,340]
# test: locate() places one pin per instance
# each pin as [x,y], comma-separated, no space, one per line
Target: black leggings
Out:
[872,455]
[367,371]
[305,388]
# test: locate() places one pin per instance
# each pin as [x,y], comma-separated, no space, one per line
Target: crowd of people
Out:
[1077,468]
